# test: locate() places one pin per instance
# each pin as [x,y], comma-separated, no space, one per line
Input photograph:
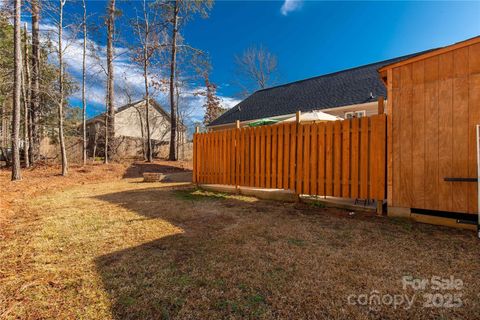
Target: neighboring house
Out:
[130,130]
[348,93]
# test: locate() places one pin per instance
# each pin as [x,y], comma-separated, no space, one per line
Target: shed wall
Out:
[434,107]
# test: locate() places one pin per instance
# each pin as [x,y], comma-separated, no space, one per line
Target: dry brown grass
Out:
[128,250]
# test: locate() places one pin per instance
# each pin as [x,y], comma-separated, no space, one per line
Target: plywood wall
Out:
[434,107]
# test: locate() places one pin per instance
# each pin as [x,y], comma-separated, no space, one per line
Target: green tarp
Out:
[262,122]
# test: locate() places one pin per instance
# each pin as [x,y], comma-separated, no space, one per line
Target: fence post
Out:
[237,157]
[381,110]
[195,156]
[298,181]
[381,105]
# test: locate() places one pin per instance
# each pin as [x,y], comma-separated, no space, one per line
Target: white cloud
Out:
[128,77]
[290,6]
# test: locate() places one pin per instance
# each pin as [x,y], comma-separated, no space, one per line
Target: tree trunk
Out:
[105,140]
[26,102]
[84,101]
[25,118]
[35,86]
[16,174]
[142,129]
[173,64]
[145,75]
[95,139]
[109,150]
[60,103]
[5,137]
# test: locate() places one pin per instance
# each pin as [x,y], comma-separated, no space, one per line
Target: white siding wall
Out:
[128,123]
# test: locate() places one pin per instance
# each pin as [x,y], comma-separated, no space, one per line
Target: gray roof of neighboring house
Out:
[347,87]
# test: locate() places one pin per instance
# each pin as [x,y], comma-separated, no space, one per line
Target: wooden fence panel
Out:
[342,158]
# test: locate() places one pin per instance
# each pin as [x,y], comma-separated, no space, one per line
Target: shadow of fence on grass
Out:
[155,279]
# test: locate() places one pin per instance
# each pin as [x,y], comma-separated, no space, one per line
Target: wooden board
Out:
[280,156]
[286,156]
[418,135]
[473,120]
[329,159]
[364,150]
[445,131]
[306,160]
[293,155]
[460,130]
[337,158]
[299,161]
[346,146]
[313,159]
[321,159]
[355,158]
[431,134]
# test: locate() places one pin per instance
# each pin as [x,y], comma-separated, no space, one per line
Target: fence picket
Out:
[299,162]
[321,159]
[274,157]
[337,158]
[313,159]
[279,183]
[364,145]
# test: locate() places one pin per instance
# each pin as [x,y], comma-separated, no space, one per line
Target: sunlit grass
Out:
[203,195]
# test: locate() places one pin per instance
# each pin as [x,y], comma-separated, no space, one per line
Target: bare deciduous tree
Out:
[172,155]
[16,174]
[26,92]
[61,98]
[84,99]
[148,35]
[35,94]
[177,13]
[110,114]
[256,69]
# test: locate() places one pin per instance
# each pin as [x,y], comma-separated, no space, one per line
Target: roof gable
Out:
[431,53]
[154,104]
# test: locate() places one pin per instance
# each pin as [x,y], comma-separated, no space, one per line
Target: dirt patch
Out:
[137,169]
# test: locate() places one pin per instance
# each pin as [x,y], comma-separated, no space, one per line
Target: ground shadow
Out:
[239,259]
[137,169]
[154,280]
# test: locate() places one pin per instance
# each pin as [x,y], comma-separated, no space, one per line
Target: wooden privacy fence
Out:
[340,158]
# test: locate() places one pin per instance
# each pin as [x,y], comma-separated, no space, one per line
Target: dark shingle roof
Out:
[342,88]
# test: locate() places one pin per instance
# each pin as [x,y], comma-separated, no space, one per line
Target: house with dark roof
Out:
[348,93]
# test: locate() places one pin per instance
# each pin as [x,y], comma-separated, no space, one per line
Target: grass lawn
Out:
[128,250]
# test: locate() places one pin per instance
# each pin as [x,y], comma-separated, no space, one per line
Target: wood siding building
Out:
[433,110]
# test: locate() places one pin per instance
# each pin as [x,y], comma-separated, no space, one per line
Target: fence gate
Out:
[341,158]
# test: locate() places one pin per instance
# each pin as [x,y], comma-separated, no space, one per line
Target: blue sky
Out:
[322,37]
[310,38]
